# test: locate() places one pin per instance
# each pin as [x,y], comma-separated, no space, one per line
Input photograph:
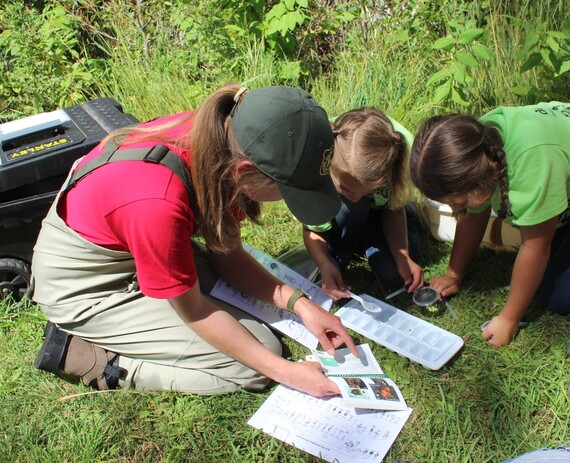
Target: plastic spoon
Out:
[369,306]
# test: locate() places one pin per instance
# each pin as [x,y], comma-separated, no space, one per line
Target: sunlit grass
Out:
[485,406]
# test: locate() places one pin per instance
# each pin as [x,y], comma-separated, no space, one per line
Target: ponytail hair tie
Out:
[239,94]
[237,98]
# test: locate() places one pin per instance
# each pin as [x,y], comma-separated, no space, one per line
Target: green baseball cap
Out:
[287,135]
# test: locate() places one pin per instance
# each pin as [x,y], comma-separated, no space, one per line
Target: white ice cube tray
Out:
[414,338]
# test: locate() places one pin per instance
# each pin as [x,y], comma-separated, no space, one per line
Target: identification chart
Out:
[282,320]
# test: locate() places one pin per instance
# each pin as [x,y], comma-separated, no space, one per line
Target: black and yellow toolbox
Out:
[36,153]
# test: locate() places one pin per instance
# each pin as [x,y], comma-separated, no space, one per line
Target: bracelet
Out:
[294,298]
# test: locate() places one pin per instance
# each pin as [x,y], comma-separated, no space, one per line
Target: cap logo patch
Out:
[326,163]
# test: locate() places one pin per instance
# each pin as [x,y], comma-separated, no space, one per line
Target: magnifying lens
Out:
[425,295]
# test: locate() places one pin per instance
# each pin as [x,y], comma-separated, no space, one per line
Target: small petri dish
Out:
[424,296]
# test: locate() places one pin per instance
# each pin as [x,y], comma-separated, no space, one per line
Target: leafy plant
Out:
[462,52]
[548,53]
[282,20]
[306,33]
[44,62]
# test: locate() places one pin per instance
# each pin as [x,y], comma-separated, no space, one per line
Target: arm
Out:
[228,335]
[333,284]
[530,264]
[468,235]
[244,273]
[395,228]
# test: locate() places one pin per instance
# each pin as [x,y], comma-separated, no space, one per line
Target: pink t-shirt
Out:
[141,208]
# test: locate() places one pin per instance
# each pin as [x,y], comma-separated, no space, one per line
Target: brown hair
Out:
[367,146]
[215,156]
[456,154]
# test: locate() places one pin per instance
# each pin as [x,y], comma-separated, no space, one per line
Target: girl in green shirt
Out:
[515,160]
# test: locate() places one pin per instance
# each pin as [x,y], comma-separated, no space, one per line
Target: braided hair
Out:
[456,154]
[492,145]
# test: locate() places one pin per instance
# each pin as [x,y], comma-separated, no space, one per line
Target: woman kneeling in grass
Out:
[127,289]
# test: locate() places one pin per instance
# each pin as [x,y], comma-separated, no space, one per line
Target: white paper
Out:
[282,320]
[328,429]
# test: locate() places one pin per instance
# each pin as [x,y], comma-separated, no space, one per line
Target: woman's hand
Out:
[500,331]
[308,377]
[325,326]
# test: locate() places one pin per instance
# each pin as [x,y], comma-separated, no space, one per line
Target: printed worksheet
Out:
[328,429]
[282,320]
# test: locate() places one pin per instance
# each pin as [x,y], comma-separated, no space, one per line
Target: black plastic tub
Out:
[36,154]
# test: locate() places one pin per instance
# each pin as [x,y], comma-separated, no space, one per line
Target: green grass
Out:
[486,405]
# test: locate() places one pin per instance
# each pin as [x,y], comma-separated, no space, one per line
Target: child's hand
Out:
[412,274]
[446,285]
[500,331]
[332,283]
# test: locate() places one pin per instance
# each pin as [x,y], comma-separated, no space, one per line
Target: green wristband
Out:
[294,298]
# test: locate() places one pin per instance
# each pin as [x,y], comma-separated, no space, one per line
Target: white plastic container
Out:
[409,336]
[442,226]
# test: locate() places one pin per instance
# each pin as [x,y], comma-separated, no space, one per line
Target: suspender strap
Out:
[158,154]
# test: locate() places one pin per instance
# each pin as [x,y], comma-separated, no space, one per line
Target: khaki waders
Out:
[91,292]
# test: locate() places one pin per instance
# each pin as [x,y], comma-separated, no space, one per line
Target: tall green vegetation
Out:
[155,57]
[426,57]
[59,52]
[43,62]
